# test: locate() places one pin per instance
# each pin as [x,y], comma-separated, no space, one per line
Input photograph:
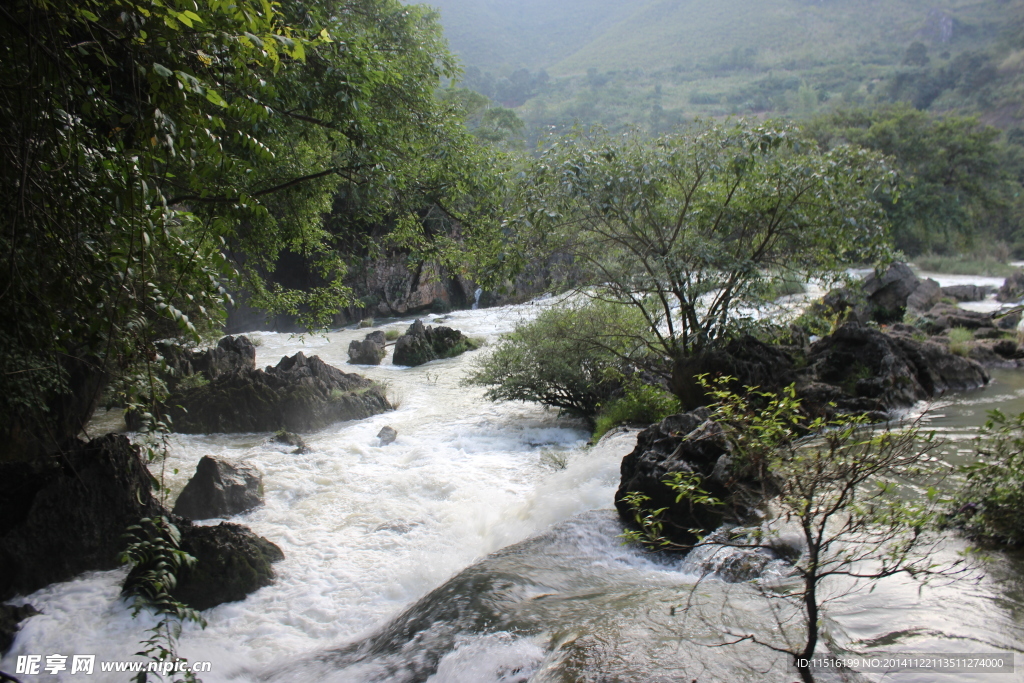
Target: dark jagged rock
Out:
[925,295]
[750,361]
[942,317]
[60,520]
[220,488]
[421,344]
[688,443]
[292,440]
[1013,288]
[387,435]
[299,394]
[968,292]
[862,369]
[232,562]
[231,356]
[10,621]
[888,293]
[369,351]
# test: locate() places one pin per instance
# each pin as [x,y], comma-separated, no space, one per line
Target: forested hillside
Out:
[656,63]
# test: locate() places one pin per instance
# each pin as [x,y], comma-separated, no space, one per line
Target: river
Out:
[481,546]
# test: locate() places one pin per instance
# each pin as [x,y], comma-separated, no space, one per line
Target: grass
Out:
[642,404]
[958,339]
[986,266]
[392,335]
[366,322]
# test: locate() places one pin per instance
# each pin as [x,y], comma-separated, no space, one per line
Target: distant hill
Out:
[656,63]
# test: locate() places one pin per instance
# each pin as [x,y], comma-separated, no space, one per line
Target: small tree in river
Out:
[690,229]
[845,490]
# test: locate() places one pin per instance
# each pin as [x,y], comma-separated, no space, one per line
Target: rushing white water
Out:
[379,536]
[365,528]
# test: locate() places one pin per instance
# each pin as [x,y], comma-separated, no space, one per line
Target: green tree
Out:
[959,181]
[156,151]
[688,229]
[845,490]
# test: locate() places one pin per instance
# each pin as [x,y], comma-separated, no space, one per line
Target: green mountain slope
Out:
[688,34]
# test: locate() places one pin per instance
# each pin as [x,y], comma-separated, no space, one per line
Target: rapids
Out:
[481,547]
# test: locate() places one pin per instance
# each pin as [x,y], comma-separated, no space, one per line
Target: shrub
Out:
[566,358]
[641,404]
[990,502]
[392,335]
[958,338]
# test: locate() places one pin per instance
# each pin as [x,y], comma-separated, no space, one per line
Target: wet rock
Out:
[369,351]
[231,355]
[10,621]
[888,293]
[925,295]
[869,370]
[387,435]
[687,443]
[968,292]
[750,361]
[65,517]
[996,353]
[292,440]
[220,488]
[421,344]
[1012,290]
[942,317]
[232,562]
[299,394]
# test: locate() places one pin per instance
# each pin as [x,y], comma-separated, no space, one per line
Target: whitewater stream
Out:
[481,546]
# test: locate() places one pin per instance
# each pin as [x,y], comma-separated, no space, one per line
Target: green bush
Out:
[990,502]
[392,335]
[567,358]
[958,338]
[642,404]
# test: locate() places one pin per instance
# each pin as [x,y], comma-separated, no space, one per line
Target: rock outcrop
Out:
[688,443]
[387,435]
[231,356]
[898,289]
[220,488]
[968,292]
[299,394]
[1012,290]
[862,369]
[59,520]
[369,351]
[421,344]
[231,562]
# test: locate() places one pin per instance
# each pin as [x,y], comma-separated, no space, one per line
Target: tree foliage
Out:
[847,492]
[961,184]
[155,151]
[690,228]
[570,357]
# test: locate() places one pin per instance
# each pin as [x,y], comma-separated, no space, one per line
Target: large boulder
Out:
[925,295]
[66,517]
[752,363]
[687,443]
[231,562]
[220,488]
[942,316]
[369,351]
[231,356]
[1013,287]
[968,292]
[888,292]
[421,344]
[862,369]
[299,394]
